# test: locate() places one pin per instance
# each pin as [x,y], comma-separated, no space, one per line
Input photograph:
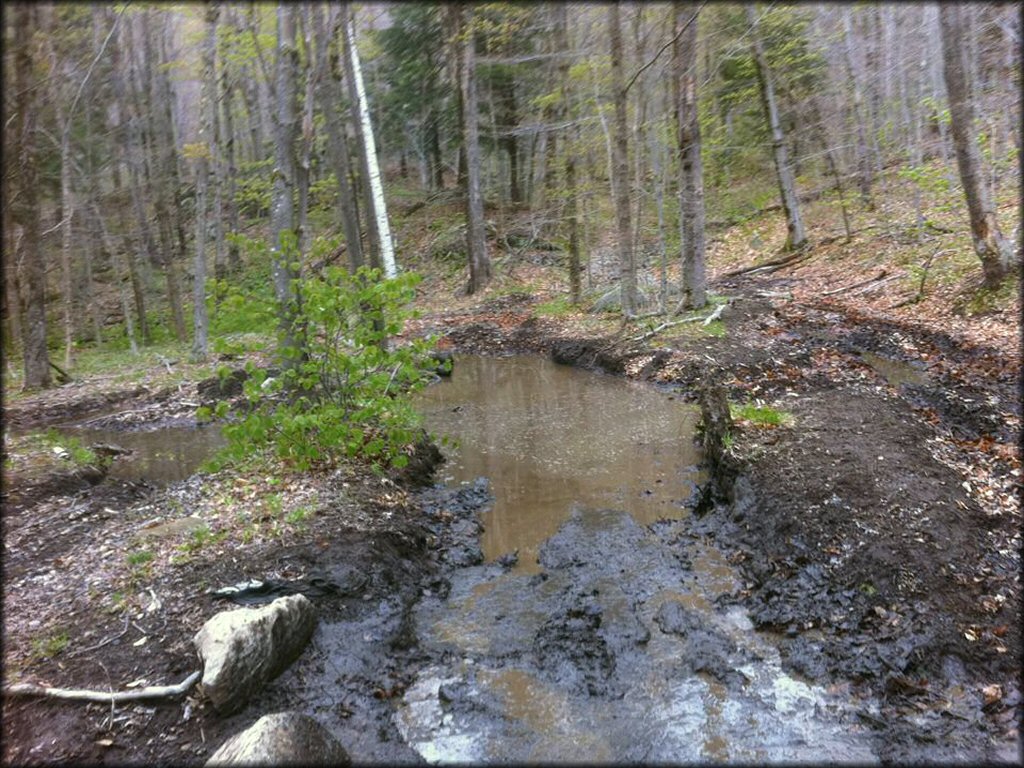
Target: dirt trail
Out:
[877,538]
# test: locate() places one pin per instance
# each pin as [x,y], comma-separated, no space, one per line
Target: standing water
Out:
[611,639]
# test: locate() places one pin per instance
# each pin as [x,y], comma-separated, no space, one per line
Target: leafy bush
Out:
[347,394]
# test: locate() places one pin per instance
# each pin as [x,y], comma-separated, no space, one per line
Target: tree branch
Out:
[78,694]
[662,49]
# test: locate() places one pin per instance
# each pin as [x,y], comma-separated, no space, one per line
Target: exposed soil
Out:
[879,533]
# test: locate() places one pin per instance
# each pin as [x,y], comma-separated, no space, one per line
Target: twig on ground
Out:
[80,694]
[879,276]
[109,640]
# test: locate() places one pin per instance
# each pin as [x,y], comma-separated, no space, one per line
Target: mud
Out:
[826,614]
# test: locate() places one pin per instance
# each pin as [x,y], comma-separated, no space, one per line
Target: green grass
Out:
[760,415]
[557,307]
[140,557]
[51,645]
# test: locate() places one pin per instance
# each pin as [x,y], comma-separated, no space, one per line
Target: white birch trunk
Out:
[387,249]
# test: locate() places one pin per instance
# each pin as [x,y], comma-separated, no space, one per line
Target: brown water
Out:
[549,437]
[896,372]
[580,465]
[158,456]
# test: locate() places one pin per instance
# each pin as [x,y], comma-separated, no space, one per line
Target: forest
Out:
[618,381]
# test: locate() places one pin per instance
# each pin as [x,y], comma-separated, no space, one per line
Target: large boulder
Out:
[242,649]
[284,738]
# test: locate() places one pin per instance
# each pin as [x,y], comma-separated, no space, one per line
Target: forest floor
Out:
[877,527]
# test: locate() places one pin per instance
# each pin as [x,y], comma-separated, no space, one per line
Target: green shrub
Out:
[348,394]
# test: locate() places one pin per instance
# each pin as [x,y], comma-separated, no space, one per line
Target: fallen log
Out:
[102,697]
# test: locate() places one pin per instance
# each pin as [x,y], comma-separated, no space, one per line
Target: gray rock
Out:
[242,649]
[284,738]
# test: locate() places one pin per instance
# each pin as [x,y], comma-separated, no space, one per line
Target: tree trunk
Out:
[25,205]
[993,249]
[856,76]
[282,208]
[787,186]
[691,171]
[207,154]
[362,180]
[328,93]
[476,242]
[230,172]
[379,208]
[620,169]
[568,152]
[111,248]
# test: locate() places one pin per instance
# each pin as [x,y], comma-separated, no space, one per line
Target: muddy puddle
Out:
[158,456]
[615,638]
[549,437]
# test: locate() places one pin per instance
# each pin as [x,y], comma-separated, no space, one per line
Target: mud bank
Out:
[858,536]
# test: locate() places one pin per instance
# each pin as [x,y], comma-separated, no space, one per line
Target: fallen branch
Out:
[879,276]
[63,377]
[716,314]
[706,320]
[77,694]
[770,266]
[876,284]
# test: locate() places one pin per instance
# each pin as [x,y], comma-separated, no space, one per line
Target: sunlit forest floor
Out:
[894,465]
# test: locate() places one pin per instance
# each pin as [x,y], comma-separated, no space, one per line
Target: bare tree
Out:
[993,249]
[568,150]
[691,170]
[25,205]
[787,186]
[476,243]
[620,169]
[206,153]
[285,253]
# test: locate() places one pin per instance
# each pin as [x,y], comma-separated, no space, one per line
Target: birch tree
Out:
[369,150]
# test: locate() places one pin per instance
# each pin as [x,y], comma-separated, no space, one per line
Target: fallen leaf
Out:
[140,642]
[104,743]
[992,693]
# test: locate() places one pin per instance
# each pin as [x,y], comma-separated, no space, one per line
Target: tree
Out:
[568,150]
[328,93]
[787,186]
[476,243]
[284,251]
[620,169]
[368,146]
[691,172]
[993,249]
[206,151]
[25,205]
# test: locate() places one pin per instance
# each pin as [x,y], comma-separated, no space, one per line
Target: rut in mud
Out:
[605,627]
